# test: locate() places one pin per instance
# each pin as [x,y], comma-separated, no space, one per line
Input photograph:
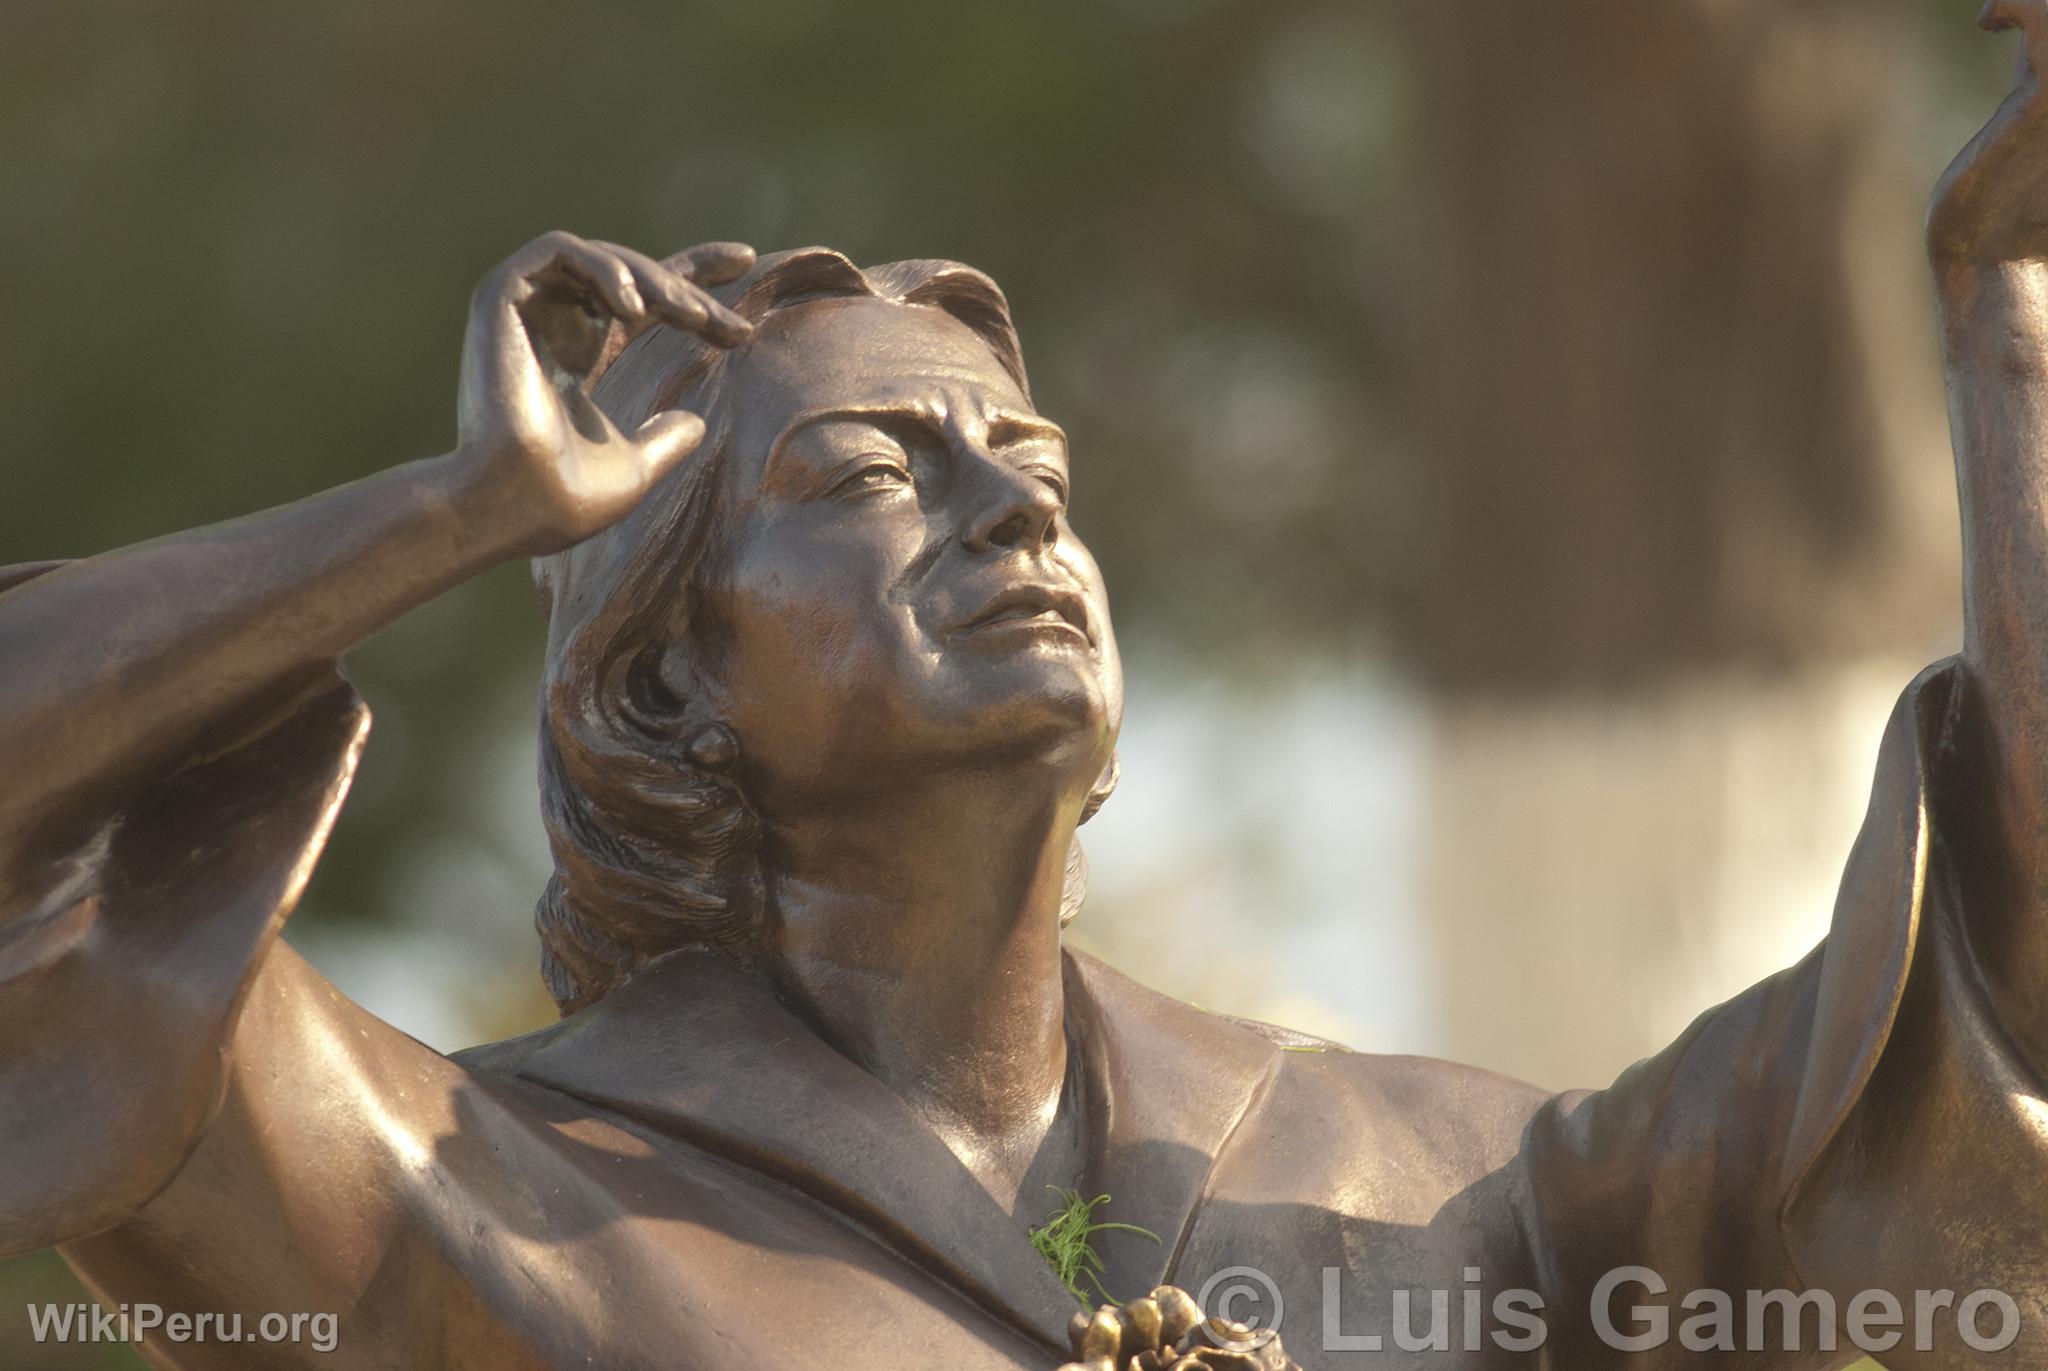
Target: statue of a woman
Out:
[830,686]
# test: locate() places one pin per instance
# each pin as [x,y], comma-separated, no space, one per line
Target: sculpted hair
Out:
[655,847]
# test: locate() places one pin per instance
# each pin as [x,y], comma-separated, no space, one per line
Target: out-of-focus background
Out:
[1512,432]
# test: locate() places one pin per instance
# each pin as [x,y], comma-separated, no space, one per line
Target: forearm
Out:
[1994,323]
[1995,342]
[113,668]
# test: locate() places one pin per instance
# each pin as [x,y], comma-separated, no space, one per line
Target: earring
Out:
[713,747]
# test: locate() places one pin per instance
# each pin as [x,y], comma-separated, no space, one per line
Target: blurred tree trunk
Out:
[1670,379]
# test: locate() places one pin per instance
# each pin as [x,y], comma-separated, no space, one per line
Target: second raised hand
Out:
[1991,205]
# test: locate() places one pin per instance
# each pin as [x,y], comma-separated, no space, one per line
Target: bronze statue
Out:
[830,686]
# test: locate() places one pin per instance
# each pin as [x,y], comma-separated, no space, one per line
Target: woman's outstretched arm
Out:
[1988,243]
[115,668]
[175,746]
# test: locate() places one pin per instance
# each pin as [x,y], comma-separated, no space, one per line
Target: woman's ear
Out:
[1105,786]
[698,695]
[673,699]
[644,697]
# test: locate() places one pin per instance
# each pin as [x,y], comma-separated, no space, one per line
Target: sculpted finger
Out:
[665,439]
[557,259]
[712,264]
[2028,16]
[722,326]
[1998,15]
[691,308]
[677,301]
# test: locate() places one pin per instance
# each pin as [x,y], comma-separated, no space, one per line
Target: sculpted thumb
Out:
[666,439]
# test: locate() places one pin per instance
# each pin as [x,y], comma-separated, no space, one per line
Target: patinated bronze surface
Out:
[831,685]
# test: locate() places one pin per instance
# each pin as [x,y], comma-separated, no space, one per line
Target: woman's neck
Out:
[921,934]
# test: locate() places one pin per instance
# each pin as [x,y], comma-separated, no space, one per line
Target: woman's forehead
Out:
[861,352]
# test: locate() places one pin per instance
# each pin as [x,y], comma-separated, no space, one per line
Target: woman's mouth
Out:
[1031,609]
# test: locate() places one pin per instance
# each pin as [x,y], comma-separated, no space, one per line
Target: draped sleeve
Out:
[124,965]
[1855,1129]
[1919,1146]
[1859,1125]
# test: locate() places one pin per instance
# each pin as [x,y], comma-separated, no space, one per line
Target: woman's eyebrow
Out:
[913,411]
[1004,428]
[896,413]
[1014,428]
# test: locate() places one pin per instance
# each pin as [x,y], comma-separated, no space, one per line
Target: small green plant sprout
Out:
[1063,1240]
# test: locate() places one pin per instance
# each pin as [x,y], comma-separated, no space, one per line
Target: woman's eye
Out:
[1054,479]
[880,475]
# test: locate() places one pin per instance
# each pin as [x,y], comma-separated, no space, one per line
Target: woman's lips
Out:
[1034,609]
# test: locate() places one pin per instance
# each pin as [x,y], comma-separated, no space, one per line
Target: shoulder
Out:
[1312,1087]
[506,1056]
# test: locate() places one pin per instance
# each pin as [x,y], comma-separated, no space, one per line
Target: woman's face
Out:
[901,590]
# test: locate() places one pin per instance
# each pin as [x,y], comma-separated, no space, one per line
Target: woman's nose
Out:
[1017,510]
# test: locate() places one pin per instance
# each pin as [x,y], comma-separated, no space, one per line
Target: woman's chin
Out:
[1046,697]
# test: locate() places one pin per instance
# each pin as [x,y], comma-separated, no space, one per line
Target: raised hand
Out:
[544,457]
[1991,205]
